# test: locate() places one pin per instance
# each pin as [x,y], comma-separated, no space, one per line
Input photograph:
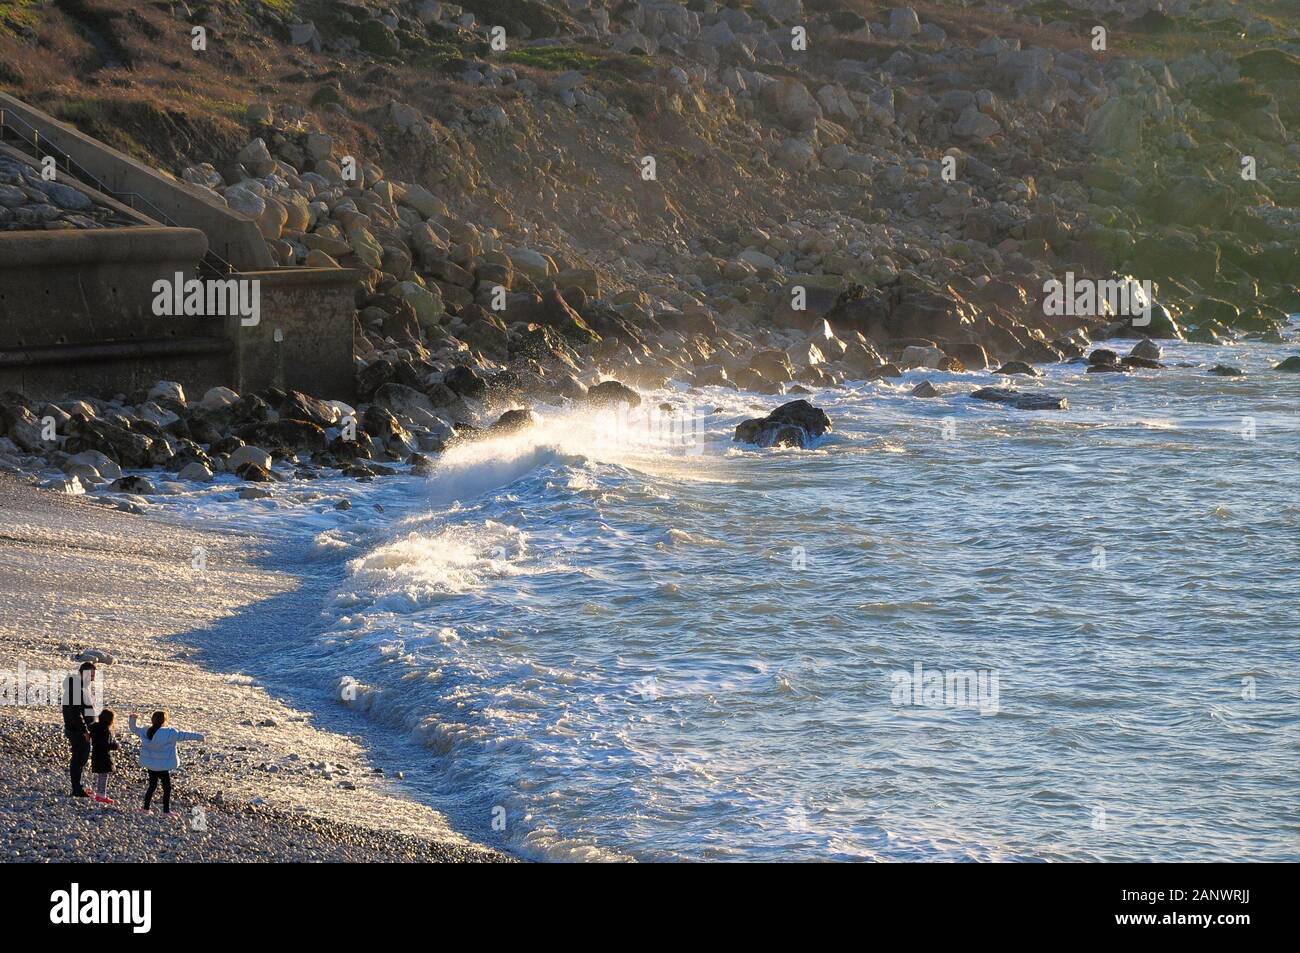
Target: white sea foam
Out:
[607,637]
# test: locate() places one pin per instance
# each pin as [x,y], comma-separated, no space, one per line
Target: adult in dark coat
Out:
[78,716]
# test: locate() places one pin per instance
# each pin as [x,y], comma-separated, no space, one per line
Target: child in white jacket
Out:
[158,755]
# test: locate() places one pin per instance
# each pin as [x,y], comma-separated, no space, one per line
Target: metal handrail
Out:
[212,261]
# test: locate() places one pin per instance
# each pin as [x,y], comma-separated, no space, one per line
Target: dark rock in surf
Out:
[1223,370]
[794,424]
[1103,361]
[1211,332]
[253,473]
[1162,324]
[512,421]
[138,485]
[1290,365]
[884,370]
[788,435]
[611,393]
[1146,349]
[1021,400]
[925,389]
[1131,361]
[1019,367]
[187,454]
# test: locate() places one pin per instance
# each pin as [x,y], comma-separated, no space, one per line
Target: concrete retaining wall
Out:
[304,339]
[232,236]
[76,313]
[77,316]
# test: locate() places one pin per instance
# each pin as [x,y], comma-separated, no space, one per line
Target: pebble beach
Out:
[265,785]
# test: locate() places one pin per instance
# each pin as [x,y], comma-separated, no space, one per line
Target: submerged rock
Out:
[794,424]
[1131,361]
[137,485]
[1021,400]
[1223,370]
[253,473]
[1291,364]
[1019,367]
[1103,360]
[1146,349]
[884,370]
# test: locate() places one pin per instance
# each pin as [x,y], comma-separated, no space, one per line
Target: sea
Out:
[946,631]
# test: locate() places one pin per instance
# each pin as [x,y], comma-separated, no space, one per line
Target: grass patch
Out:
[553,58]
[16,13]
[1231,99]
[437,55]
[82,113]
[1049,10]
[222,107]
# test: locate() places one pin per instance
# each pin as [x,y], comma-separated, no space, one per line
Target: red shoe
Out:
[103,800]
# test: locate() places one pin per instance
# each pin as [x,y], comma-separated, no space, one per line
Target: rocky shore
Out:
[773,196]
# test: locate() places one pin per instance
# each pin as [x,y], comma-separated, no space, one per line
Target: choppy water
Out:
[628,650]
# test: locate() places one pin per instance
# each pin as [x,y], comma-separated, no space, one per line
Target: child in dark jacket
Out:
[102,746]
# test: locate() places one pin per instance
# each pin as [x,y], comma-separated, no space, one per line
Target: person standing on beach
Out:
[102,746]
[158,755]
[78,716]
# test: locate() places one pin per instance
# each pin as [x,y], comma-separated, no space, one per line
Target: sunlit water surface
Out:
[616,648]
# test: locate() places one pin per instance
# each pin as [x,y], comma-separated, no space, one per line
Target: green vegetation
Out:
[553,58]
[82,113]
[437,55]
[1050,10]
[1270,65]
[1231,99]
[16,13]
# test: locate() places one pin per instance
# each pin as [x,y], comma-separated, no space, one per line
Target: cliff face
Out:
[655,182]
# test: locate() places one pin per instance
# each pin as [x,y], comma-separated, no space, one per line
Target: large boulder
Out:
[289,436]
[512,421]
[22,426]
[466,382]
[248,454]
[903,22]
[797,108]
[555,312]
[795,424]
[612,393]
